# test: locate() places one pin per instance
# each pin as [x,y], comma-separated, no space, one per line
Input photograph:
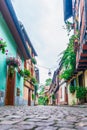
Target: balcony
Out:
[81,62]
[28,84]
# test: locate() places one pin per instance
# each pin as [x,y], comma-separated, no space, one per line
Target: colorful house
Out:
[58,90]
[11,33]
[77,85]
[71,84]
[29,64]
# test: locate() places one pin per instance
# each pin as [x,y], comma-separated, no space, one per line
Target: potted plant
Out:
[2,45]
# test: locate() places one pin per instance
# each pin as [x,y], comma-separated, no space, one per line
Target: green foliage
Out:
[43,100]
[46,100]
[33,96]
[68,61]
[72,89]
[48,81]
[34,60]
[11,71]
[2,45]
[53,97]
[41,90]
[26,73]
[36,86]
[81,92]
[33,80]
[21,72]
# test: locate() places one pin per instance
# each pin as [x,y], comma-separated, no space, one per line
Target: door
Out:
[10,90]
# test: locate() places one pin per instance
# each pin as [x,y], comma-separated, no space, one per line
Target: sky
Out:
[43,21]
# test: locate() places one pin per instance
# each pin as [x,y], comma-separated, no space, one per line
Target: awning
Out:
[67,5]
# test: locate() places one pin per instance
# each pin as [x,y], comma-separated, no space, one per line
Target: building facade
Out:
[16,53]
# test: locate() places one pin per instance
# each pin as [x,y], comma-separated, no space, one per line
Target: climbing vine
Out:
[68,61]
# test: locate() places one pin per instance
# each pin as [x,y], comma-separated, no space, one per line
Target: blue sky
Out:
[43,21]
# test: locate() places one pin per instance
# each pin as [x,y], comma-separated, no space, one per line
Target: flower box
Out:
[13,61]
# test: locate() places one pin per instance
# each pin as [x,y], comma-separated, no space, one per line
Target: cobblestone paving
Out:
[43,118]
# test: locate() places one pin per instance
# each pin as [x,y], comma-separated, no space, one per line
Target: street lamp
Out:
[49,72]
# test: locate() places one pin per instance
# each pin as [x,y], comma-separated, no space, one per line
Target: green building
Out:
[16,52]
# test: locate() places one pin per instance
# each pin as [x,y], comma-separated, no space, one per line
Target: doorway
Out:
[10,89]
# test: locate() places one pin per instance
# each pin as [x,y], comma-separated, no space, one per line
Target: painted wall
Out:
[12,50]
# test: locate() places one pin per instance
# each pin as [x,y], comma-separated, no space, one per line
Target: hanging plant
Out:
[13,61]
[34,60]
[3,45]
[11,71]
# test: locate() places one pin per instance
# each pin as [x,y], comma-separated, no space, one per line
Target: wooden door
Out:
[10,90]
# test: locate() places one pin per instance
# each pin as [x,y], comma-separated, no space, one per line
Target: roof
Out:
[27,38]
[10,17]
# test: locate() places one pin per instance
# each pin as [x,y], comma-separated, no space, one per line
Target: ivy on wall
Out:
[68,61]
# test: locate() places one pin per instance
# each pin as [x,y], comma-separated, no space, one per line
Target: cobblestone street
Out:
[43,118]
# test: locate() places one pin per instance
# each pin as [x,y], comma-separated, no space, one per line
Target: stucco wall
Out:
[12,51]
